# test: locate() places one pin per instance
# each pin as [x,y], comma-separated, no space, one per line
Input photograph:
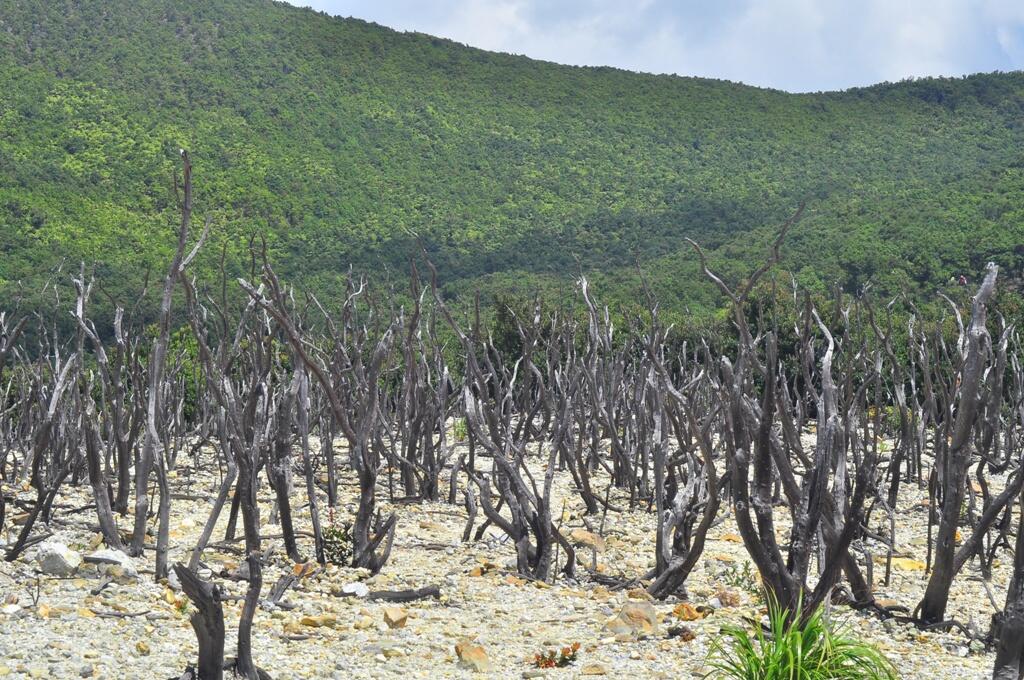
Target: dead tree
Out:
[124,374]
[489,396]
[1009,664]
[93,443]
[241,434]
[756,456]
[207,622]
[302,421]
[954,458]
[685,480]
[606,372]
[416,410]
[151,437]
[48,457]
[349,380]
[280,460]
[237,381]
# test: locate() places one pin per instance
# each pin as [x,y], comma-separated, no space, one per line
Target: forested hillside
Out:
[343,142]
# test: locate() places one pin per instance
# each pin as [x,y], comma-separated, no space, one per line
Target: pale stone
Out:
[115,564]
[356,588]
[56,559]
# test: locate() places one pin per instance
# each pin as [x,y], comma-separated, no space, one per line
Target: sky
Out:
[794,45]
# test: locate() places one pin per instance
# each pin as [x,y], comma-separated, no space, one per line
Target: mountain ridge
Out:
[346,143]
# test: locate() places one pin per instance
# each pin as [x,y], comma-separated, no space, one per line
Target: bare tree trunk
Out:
[98,481]
[958,457]
[278,468]
[222,495]
[151,437]
[243,663]
[302,418]
[207,622]
[1009,663]
[163,514]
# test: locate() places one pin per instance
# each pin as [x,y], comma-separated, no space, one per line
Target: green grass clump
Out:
[796,649]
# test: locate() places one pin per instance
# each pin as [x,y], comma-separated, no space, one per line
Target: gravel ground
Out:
[53,627]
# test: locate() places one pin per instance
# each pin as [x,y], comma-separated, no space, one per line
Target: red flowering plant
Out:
[559,659]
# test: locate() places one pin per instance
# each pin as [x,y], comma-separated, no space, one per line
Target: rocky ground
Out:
[57,623]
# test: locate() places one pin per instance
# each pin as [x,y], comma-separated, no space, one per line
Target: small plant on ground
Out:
[338,542]
[742,578]
[459,431]
[559,659]
[795,648]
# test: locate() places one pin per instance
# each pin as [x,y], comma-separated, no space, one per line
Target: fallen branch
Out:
[405,595]
[119,615]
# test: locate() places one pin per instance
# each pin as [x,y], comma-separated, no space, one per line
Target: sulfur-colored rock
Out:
[473,656]
[728,597]
[395,617]
[684,611]
[588,538]
[637,619]
[323,621]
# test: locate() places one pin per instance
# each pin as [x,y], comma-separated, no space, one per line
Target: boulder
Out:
[56,559]
[114,564]
[637,619]
[684,633]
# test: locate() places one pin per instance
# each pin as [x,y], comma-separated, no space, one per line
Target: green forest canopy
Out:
[343,143]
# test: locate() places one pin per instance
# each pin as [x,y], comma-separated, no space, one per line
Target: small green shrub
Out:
[459,430]
[338,543]
[810,650]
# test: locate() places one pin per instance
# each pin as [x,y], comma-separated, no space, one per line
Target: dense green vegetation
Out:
[799,645]
[344,142]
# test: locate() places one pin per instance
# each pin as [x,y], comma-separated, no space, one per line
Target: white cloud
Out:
[790,44]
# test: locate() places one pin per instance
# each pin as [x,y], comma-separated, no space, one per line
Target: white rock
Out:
[114,563]
[56,559]
[356,588]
